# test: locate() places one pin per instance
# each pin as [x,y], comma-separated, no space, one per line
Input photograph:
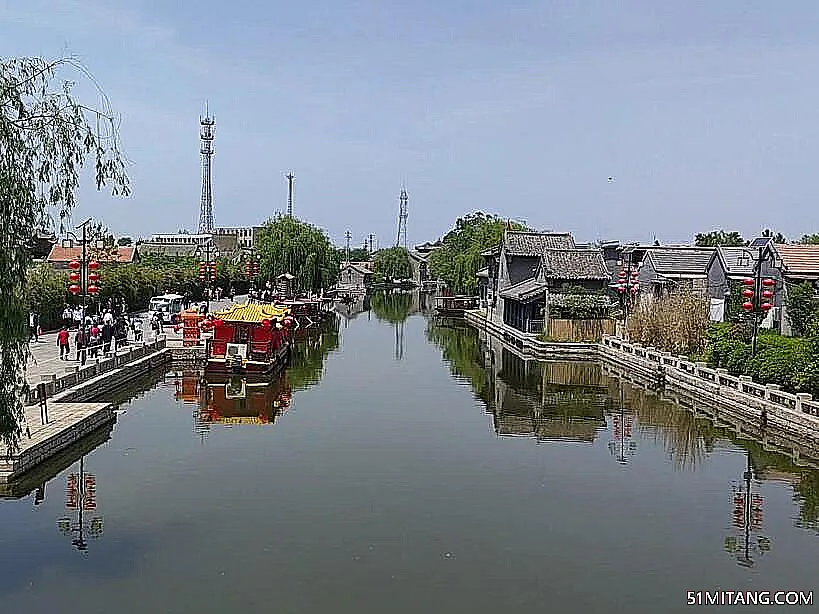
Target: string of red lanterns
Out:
[752,301]
[207,271]
[75,276]
[624,283]
[252,267]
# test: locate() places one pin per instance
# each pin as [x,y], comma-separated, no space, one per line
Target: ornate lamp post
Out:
[757,292]
[628,286]
[84,276]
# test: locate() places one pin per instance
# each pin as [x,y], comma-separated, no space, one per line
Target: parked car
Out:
[167,307]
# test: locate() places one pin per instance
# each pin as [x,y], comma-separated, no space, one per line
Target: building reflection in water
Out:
[81,501]
[573,401]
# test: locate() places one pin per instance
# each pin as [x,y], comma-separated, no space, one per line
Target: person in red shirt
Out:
[62,343]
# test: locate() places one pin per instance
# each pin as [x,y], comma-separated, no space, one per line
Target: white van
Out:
[167,307]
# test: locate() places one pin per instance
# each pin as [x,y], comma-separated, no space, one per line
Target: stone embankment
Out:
[60,410]
[528,345]
[765,409]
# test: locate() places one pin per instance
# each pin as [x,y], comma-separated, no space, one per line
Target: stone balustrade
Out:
[720,387]
[54,384]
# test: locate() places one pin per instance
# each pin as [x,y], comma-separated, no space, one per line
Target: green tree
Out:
[46,135]
[459,258]
[803,307]
[719,237]
[392,263]
[125,241]
[288,245]
[357,254]
[777,237]
[392,307]
[810,239]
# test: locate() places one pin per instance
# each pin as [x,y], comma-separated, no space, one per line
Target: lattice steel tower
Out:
[206,129]
[401,239]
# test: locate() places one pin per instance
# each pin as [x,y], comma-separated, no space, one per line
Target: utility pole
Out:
[290,177]
[371,237]
[348,235]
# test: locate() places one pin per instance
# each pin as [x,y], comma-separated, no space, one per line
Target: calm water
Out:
[406,467]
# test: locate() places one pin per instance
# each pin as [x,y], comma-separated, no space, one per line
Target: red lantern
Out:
[748,281]
[266,323]
[288,321]
[92,289]
[767,294]
[748,293]
[634,290]
[74,289]
[93,277]
[768,283]
[621,289]
[747,306]
[634,274]
[93,265]
[765,306]
[74,265]
[74,276]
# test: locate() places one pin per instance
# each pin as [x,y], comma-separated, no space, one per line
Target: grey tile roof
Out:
[574,264]
[736,260]
[526,289]
[519,243]
[168,249]
[680,260]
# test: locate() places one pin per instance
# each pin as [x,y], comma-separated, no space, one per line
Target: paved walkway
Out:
[45,355]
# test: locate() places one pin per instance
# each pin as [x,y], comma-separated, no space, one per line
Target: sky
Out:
[611,120]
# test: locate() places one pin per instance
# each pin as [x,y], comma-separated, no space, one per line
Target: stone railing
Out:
[718,384]
[53,383]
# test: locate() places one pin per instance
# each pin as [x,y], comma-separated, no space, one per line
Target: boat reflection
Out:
[238,400]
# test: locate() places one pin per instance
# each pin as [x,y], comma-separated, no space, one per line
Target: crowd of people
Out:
[94,334]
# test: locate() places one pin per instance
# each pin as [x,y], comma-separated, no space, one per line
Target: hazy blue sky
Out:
[703,113]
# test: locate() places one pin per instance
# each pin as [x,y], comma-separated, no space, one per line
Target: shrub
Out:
[676,323]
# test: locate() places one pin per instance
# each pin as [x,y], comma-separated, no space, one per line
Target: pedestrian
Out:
[108,318]
[76,316]
[62,343]
[68,316]
[33,325]
[107,335]
[80,338]
[95,341]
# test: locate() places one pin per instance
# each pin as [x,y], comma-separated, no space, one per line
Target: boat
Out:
[249,339]
[309,312]
[454,306]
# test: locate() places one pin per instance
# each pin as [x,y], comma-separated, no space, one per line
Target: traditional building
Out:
[354,277]
[727,268]
[665,269]
[62,254]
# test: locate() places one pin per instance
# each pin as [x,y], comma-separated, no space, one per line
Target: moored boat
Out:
[249,339]
[454,306]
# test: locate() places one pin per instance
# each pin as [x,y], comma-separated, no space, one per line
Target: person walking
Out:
[68,316]
[33,325]
[62,343]
[81,339]
[107,335]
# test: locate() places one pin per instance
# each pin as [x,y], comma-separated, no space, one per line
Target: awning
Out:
[252,313]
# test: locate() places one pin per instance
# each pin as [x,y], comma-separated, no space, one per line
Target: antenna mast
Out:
[348,236]
[290,177]
[206,129]
[402,219]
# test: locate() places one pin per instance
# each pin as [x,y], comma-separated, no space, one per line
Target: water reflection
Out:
[747,543]
[237,400]
[83,520]
[576,401]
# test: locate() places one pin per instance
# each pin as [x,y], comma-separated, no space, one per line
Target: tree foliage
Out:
[812,239]
[392,307]
[357,254]
[719,237]
[459,258]
[803,307]
[392,263]
[288,245]
[46,136]
[777,237]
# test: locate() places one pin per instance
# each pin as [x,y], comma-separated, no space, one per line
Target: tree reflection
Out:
[392,307]
[310,350]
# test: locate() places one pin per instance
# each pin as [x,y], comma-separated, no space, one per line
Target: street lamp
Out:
[757,292]
[627,285]
[83,271]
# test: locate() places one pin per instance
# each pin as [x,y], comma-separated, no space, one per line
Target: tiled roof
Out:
[61,254]
[526,289]
[799,259]
[357,267]
[520,243]
[484,272]
[252,312]
[680,260]
[574,264]
[737,260]
[492,251]
[168,249]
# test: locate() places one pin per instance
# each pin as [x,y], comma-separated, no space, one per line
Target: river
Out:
[401,465]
